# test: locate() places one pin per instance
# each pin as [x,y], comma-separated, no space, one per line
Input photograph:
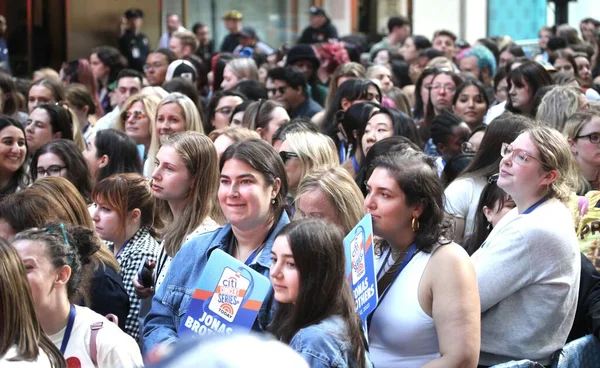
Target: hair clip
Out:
[493,179]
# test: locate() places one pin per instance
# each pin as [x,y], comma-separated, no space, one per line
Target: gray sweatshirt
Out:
[528,272]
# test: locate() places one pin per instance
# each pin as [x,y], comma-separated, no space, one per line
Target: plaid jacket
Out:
[130,258]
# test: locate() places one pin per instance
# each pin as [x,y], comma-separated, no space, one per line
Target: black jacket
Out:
[135,48]
[587,316]
[317,35]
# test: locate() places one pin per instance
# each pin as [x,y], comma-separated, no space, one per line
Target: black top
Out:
[108,295]
[230,42]
[306,110]
[317,35]
[206,52]
[587,315]
[135,48]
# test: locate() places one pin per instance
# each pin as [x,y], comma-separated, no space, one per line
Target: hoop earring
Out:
[415,224]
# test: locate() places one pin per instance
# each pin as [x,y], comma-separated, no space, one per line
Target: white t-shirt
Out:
[114,347]
[462,198]
[42,360]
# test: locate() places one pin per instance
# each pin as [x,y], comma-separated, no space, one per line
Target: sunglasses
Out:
[137,115]
[285,156]
[274,91]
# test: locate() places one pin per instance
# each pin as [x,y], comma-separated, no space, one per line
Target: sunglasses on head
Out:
[285,155]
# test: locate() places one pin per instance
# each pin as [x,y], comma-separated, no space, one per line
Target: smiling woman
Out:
[13,152]
[252,192]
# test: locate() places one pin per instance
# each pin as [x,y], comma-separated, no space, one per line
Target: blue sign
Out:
[360,266]
[228,298]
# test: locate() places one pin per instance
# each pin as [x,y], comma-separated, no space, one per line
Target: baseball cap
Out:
[232,15]
[248,32]
[315,10]
[182,69]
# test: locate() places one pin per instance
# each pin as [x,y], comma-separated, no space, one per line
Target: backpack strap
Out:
[95,327]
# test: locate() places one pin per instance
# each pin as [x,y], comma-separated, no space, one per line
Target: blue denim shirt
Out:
[326,344]
[172,299]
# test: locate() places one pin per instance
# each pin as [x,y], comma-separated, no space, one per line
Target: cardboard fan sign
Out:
[360,266]
[227,299]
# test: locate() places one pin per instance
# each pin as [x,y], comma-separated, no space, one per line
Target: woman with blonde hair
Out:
[582,131]
[185,184]
[174,113]
[225,137]
[530,261]
[331,194]
[303,152]
[237,70]
[23,342]
[558,104]
[138,119]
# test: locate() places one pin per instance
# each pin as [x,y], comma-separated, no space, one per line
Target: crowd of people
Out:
[479,165]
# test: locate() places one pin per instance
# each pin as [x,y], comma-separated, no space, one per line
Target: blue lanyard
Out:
[342,151]
[409,256]
[535,205]
[67,336]
[252,256]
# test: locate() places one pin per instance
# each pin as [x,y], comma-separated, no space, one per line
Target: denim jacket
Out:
[326,344]
[172,299]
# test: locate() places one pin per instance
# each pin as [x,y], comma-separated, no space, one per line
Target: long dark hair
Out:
[77,169]
[402,124]
[112,58]
[419,111]
[491,194]
[123,156]
[351,90]
[503,129]
[395,144]
[11,102]
[354,121]
[323,289]
[530,73]
[468,83]
[417,177]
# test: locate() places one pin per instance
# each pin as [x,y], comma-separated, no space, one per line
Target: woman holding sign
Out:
[251,193]
[316,312]
[428,310]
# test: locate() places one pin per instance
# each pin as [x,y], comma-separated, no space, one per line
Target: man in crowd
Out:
[129,82]
[303,57]
[233,23]
[480,62]
[133,44]
[320,29]
[444,41]
[206,46]
[183,43]
[398,31]
[173,25]
[249,38]
[156,66]
[4,61]
[290,89]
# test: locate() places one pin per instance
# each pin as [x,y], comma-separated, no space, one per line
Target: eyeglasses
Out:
[274,91]
[53,170]
[285,156]
[467,147]
[593,137]
[153,66]
[518,156]
[439,87]
[137,115]
[225,110]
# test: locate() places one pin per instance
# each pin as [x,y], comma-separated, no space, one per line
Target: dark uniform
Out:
[230,42]
[135,48]
[317,35]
